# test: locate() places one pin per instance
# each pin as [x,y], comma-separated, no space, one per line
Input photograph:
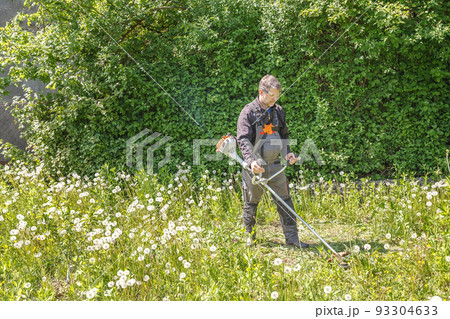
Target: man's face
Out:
[269,98]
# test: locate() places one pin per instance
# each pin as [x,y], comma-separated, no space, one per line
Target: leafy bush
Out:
[374,103]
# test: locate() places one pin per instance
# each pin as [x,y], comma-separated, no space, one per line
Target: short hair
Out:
[269,82]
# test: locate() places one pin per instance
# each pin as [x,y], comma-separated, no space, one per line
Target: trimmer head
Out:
[340,258]
[344,265]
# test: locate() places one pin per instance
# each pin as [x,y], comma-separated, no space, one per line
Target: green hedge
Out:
[376,102]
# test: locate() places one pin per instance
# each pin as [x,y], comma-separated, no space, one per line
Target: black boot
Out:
[289,224]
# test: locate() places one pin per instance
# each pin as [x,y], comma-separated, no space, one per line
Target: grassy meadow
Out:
[121,237]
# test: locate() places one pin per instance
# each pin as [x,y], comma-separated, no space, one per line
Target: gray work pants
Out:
[252,195]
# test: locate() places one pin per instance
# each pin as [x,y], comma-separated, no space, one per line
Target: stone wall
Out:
[9,130]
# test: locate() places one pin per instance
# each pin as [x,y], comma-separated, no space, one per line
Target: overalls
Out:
[267,147]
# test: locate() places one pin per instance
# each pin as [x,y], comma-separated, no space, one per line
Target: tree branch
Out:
[139,22]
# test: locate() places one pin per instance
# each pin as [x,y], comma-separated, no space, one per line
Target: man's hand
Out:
[256,168]
[291,158]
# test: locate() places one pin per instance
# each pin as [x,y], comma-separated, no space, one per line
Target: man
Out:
[261,135]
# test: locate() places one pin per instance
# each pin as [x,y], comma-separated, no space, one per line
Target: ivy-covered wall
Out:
[367,81]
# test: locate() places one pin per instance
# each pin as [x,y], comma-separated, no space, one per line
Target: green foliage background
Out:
[375,103]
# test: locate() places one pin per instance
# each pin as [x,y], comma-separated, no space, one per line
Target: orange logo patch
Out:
[267,129]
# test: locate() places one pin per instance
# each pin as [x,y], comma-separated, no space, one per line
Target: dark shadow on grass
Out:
[268,243]
[349,245]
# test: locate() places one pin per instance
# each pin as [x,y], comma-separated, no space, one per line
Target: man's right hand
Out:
[256,168]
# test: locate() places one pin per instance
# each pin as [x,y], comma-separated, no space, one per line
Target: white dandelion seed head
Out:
[277,261]
[386,246]
[213,248]
[413,235]
[327,289]
[367,246]
[388,236]
[348,297]
[287,270]
[435,298]
[182,275]
[91,294]
[27,285]
[274,295]
[297,267]
[447,259]
[123,278]
[356,249]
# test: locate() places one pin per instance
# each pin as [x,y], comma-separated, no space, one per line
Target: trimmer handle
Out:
[287,162]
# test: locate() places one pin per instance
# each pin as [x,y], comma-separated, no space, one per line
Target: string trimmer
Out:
[227,146]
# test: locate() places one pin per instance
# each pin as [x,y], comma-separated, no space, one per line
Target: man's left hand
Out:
[291,158]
